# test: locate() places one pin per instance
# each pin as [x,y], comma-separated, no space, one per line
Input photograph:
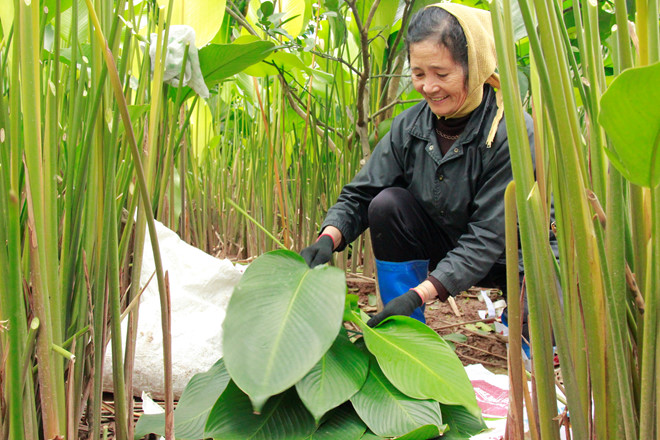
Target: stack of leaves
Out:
[291,371]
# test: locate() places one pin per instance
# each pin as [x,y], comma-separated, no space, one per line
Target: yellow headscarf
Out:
[482,60]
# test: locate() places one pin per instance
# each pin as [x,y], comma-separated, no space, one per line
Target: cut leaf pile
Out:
[292,371]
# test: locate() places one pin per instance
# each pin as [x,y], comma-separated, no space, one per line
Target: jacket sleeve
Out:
[483,242]
[383,169]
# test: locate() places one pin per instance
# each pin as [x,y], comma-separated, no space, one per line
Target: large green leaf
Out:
[284,417]
[419,362]
[205,16]
[426,432]
[220,61]
[339,374]
[630,115]
[193,408]
[281,319]
[387,411]
[462,424]
[295,15]
[343,423]
[371,436]
[6,16]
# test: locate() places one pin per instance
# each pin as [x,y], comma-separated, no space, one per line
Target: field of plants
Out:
[282,102]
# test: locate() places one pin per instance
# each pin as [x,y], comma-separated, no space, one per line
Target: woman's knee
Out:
[387,204]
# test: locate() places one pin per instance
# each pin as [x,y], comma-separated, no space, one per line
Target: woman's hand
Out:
[401,305]
[321,251]
[318,253]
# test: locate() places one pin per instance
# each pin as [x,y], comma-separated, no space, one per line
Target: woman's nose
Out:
[431,86]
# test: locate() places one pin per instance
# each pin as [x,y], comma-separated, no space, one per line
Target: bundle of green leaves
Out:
[291,370]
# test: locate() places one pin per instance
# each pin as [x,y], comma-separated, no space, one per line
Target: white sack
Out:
[200,288]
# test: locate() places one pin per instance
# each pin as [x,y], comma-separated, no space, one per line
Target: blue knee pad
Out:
[396,278]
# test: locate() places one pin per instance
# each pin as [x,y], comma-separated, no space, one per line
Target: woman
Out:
[432,191]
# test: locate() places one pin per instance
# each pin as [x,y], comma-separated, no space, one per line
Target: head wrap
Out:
[482,60]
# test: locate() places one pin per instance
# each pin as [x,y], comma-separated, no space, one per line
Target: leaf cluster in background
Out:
[291,371]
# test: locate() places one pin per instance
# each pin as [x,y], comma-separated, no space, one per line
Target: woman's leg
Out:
[404,239]
[402,231]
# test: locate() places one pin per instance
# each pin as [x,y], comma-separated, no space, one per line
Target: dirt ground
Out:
[481,346]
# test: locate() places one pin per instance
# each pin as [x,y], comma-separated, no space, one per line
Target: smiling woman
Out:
[437,77]
[432,191]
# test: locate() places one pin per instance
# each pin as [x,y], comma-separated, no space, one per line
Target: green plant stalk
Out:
[50,368]
[640,228]
[655,288]
[50,150]
[142,184]
[616,302]
[642,28]
[13,309]
[31,424]
[256,223]
[522,171]
[121,405]
[588,264]
[595,73]
[121,256]
[26,361]
[540,277]
[653,31]
[170,146]
[623,36]
[515,419]
[109,248]
[647,31]
[157,99]
[93,218]
[650,359]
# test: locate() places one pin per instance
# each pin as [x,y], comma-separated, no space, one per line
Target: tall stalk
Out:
[50,365]
[595,255]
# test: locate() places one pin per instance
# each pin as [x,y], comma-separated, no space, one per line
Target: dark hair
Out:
[434,23]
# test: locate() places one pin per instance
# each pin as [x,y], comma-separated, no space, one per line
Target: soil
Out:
[481,347]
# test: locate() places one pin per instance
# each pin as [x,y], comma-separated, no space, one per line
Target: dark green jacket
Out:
[462,191]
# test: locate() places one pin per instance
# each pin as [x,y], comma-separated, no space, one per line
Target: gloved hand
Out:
[318,253]
[401,305]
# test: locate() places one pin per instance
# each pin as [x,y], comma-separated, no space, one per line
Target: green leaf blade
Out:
[462,424]
[342,423]
[420,363]
[220,61]
[271,339]
[339,374]
[193,408]
[387,411]
[630,116]
[284,417]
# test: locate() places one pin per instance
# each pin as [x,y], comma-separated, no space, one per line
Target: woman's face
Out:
[436,75]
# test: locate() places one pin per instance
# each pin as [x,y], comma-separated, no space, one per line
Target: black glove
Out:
[401,305]
[318,253]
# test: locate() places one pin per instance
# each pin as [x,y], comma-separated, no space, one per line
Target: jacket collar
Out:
[423,125]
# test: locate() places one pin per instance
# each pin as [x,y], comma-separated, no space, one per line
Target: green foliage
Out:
[274,320]
[193,408]
[283,418]
[389,412]
[432,369]
[272,313]
[630,115]
[339,374]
